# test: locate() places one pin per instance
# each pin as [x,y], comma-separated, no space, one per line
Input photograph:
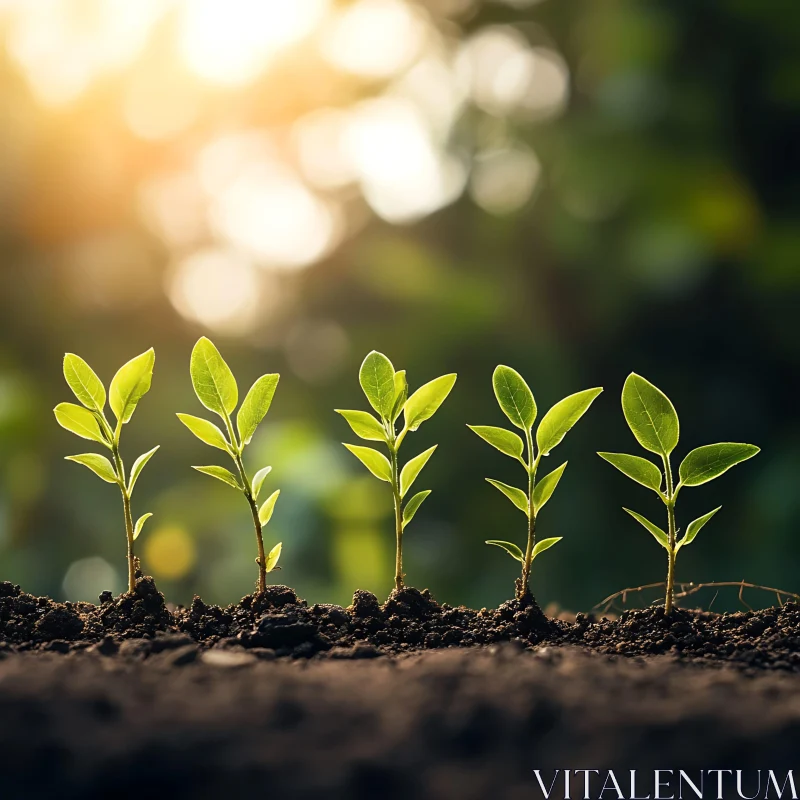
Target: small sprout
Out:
[654,422]
[517,403]
[217,390]
[89,421]
[387,393]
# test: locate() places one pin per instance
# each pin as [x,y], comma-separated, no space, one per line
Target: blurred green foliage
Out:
[663,237]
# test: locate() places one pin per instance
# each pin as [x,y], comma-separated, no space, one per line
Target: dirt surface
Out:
[278,624]
[458,723]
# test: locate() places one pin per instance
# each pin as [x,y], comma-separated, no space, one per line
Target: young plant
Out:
[387,393]
[654,422]
[517,403]
[88,421]
[217,390]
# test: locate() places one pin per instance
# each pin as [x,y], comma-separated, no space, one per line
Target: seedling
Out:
[387,393]
[217,390]
[89,421]
[654,422]
[517,403]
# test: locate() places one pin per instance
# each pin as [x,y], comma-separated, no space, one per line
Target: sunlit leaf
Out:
[412,506]
[221,474]
[425,402]
[86,386]
[205,431]
[514,396]
[544,544]
[545,487]
[139,525]
[400,393]
[80,421]
[410,471]
[255,406]
[258,480]
[265,512]
[510,548]
[375,462]
[274,556]
[558,421]
[212,379]
[650,415]
[138,466]
[376,377]
[659,535]
[364,425]
[516,496]
[637,469]
[506,442]
[130,384]
[695,526]
[100,465]
[712,460]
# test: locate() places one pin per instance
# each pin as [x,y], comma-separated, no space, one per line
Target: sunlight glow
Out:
[404,175]
[218,288]
[503,180]
[319,139]
[231,41]
[375,38]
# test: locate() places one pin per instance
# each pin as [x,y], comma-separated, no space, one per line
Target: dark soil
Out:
[132,699]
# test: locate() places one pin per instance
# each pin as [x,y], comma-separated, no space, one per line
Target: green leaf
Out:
[205,431]
[650,415]
[100,465]
[274,555]
[560,419]
[80,421]
[659,535]
[364,425]
[139,525]
[510,548]
[545,487]
[637,469]
[221,474]
[255,406]
[138,466]
[516,496]
[695,526]
[505,441]
[258,481]
[130,384]
[410,471]
[412,506]
[400,393]
[212,379]
[425,402]
[377,380]
[375,462]
[545,544]
[514,396]
[709,462]
[265,512]
[86,386]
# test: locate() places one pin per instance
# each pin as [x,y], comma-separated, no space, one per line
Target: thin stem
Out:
[531,467]
[398,518]
[671,495]
[247,488]
[126,505]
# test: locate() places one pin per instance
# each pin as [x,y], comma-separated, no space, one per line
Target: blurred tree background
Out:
[575,188]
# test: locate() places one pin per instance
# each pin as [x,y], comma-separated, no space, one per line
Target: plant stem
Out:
[398,517]
[247,488]
[671,495]
[533,463]
[126,505]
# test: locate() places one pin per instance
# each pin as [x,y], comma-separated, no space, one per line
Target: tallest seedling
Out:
[387,392]
[654,422]
[88,421]
[516,401]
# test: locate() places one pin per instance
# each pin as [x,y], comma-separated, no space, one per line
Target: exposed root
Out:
[687,589]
